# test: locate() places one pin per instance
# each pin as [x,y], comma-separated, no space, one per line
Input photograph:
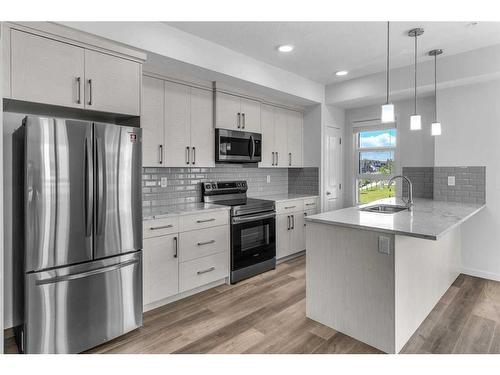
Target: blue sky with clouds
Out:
[378,138]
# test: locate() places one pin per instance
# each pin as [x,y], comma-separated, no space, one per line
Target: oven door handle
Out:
[246,219]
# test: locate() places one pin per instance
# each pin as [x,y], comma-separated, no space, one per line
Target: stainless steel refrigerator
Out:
[82,233]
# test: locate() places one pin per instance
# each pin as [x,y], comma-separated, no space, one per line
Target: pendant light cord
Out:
[435,89]
[415,73]
[387,101]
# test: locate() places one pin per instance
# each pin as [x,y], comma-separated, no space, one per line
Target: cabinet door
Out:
[46,71]
[281,137]
[282,236]
[161,268]
[112,84]
[267,123]
[202,129]
[152,122]
[298,233]
[227,108]
[294,137]
[250,121]
[177,125]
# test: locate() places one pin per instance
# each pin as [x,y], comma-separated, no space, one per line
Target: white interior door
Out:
[332,169]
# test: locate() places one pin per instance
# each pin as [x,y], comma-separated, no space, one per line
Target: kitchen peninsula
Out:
[376,276]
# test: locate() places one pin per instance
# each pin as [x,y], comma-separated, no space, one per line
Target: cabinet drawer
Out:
[160,227]
[203,242]
[290,206]
[197,272]
[203,220]
[311,203]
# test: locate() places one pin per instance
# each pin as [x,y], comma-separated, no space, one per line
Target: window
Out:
[375,153]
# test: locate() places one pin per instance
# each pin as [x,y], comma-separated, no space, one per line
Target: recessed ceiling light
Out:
[285,48]
[341,73]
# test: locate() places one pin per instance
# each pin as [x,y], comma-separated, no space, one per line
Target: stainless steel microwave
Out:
[233,146]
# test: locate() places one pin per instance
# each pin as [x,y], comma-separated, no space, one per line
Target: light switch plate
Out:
[268,179]
[384,245]
[163,182]
[451,180]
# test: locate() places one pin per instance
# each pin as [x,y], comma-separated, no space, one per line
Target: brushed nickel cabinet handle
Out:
[289,207]
[277,158]
[293,221]
[205,243]
[244,121]
[188,157]
[310,204]
[273,159]
[90,92]
[160,152]
[205,220]
[290,159]
[288,220]
[305,215]
[205,271]
[194,155]
[176,247]
[161,227]
[78,90]
[239,120]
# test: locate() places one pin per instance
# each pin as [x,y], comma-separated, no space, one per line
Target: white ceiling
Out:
[322,48]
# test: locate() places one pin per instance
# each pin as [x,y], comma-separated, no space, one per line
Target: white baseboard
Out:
[481,274]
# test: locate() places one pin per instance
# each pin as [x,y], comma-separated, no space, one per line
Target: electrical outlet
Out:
[268,179]
[451,180]
[163,182]
[384,245]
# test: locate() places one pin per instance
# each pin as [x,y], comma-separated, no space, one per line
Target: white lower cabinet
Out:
[161,268]
[195,255]
[290,225]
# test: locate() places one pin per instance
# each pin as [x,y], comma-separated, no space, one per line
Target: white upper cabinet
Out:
[250,116]
[46,71]
[281,137]
[202,130]
[177,122]
[112,84]
[228,111]
[177,125]
[237,113]
[152,122]
[294,138]
[267,122]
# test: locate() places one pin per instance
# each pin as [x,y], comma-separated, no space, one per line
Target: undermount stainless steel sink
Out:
[385,208]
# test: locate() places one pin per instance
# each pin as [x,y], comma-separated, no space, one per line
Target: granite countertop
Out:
[159,212]
[285,197]
[429,219]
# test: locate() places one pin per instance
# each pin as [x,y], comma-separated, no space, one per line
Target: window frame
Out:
[357,155]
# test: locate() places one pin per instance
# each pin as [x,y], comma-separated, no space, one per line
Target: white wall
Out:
[312,136]
[413,148]
[470,118]
[1,205]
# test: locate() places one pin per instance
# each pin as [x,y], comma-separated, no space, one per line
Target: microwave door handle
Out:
[251,147]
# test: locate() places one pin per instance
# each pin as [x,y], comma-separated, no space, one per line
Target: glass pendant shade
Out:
[415,122]
[387,114]
[436,128]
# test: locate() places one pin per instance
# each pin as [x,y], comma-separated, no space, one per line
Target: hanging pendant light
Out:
[387,114]
[415,119]
[436,125]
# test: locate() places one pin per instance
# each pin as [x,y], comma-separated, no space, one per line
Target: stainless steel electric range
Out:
[253,228]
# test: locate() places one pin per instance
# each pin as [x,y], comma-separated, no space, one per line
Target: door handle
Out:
[293,221]
[273,159]
[90,92]
[176,247]
[205,271]
[277,158]
[78,90]
[289,207]
[187,155]
[328,193]
[205,243]
[204,220]
[88,190]
[288,219]
[243,120]
[239,120]
[160,151]
[305,215]
[161,227]
[290,159]
[194,155]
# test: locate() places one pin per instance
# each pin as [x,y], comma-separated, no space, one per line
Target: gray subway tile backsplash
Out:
[432,183]
[183,184]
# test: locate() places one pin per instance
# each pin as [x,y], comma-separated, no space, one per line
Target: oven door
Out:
[237,147]
[253,239]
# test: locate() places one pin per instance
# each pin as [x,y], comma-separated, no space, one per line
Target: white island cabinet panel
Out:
[46,71]
[112,84]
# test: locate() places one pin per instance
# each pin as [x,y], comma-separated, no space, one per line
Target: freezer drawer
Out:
[72,309]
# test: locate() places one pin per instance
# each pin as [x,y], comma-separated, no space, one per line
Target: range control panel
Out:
[224,187]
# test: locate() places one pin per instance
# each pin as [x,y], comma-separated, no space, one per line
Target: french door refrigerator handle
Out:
[88,189]
[99,185]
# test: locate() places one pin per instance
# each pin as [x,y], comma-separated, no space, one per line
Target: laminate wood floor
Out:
[266,314]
